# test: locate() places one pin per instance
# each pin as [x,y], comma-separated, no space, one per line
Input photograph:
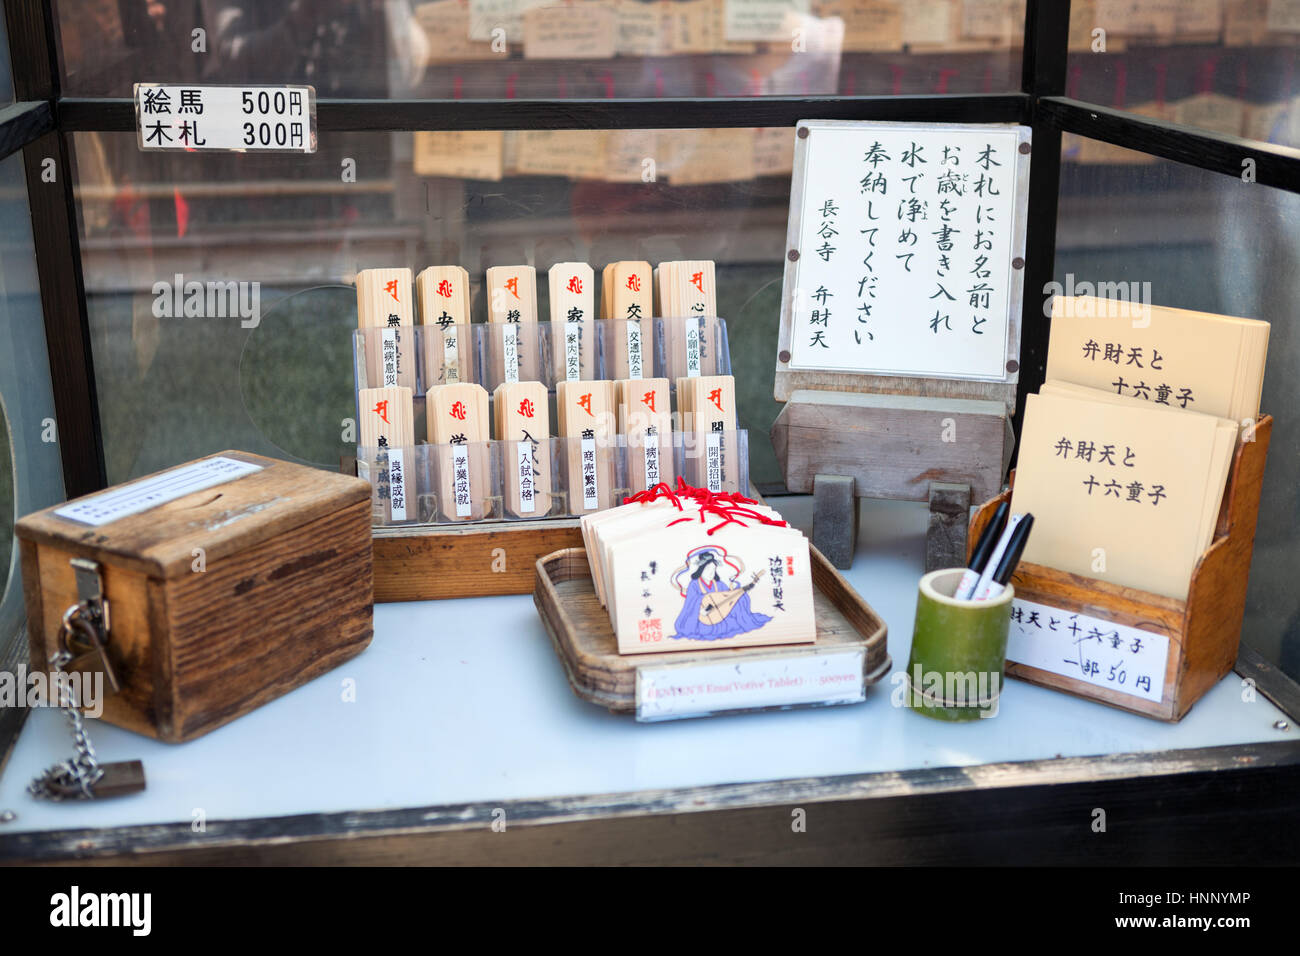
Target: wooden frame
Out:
[1003,813]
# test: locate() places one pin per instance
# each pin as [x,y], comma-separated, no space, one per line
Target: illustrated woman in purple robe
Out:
[704,581]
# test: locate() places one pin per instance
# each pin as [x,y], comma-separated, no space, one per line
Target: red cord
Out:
[727,505]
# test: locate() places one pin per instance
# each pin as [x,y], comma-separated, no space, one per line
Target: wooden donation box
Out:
[224,583]
[900,321]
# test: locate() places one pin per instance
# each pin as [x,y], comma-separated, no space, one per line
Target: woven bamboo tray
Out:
[580,630]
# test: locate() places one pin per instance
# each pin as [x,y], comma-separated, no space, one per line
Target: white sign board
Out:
[674,691]
[197,118]
[906,249]
[1099,652]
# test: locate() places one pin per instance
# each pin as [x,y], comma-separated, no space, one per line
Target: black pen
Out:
[1007,566]
[980,556]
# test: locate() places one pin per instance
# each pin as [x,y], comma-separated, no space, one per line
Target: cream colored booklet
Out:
[1225,446]
[1118,492]
[1171,357]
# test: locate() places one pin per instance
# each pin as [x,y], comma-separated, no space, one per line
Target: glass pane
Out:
[541,49]
[269,369]
[1228,66]
[30,468]
[1205,241]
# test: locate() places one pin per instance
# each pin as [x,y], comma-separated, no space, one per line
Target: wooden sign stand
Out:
[1203,631]
[928,419]
[839,446]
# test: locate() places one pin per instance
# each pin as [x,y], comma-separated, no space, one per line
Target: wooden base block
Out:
[427,564]
[945,539]
[892,446]
[835,519]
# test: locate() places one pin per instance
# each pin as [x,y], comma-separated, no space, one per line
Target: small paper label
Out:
[692,350]
[460,479]
[142,495]
[633,349]
[651,449]
[390,356]
[510,349]
[1115,656]
[450,356]
[278,119]
[572,351]
[527,483]
[590,489]
[713,461]
[673,691]
[397,484]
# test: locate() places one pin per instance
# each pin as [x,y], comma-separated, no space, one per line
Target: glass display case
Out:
[482,132]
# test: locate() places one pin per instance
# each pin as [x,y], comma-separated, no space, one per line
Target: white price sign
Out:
[1099,652]
[197,118]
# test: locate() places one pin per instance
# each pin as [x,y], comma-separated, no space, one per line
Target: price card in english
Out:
[199,118]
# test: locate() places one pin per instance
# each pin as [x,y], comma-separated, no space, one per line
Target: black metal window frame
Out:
[1261,775]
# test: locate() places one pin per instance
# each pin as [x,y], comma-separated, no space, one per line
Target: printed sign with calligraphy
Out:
[906,250]
[225,118]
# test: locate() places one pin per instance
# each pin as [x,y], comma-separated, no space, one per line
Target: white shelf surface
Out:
[465,702]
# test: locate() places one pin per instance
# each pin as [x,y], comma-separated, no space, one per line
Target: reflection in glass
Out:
[1208,242]
[30,466]
[544,49]
[1225,67]
[6,501]
[286,234]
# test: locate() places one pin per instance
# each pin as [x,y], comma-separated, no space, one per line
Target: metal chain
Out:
[75,778]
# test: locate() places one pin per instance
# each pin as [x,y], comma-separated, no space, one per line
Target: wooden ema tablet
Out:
[627,294]
[388,434]
[645,417]
[712,456]
[573,311]
[694,297]
[458,423]
[443,296]
[587,420]
[512,301]
[384,302]
[681,587]
[688,302]
[523,430]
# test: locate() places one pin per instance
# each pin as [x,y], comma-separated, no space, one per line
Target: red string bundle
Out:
[727,505]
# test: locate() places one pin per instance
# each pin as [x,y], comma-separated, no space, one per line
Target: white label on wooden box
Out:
[277,119]
[397,484]
[390,356]
[1114,656]
[142,495]
[633,349]
[651,449]
[713,461]
[692,349]
[450,356]
[673,691]
[460,478]
[510,348]
[590,483]
[527,483]
[572,351]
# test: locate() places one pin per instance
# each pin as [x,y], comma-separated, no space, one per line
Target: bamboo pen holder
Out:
[1142,652]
